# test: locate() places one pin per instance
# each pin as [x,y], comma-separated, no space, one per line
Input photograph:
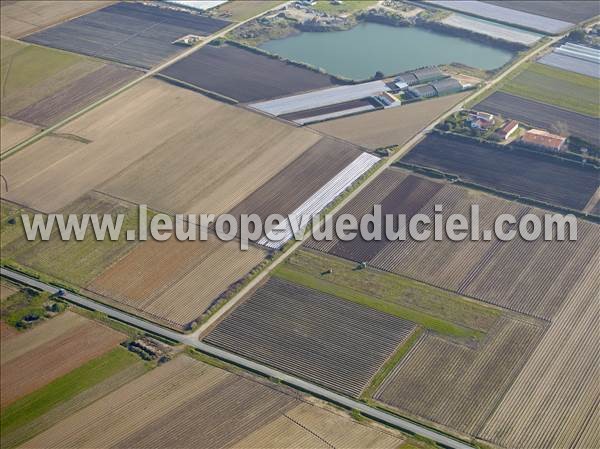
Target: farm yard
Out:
[186,400]
[20,18]
[49,351]
[108,141]
[291,327]
[518,172]
[455,385]
[244,75]
[541,115]
[41,85]
[174,282]
[389,127]
[135,34]
[502,14]
[526,277]
[561,88]
[574,11]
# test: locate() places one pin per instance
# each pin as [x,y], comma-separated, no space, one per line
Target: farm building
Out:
[420,76]
[447,86]
[508,129]
[543,139]
[481,120]
[426,91]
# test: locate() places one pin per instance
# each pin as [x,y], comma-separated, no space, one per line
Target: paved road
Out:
[366,410]
[202,330]
[148,74]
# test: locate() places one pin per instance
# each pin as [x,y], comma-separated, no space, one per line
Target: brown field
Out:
[238,11]
[299,180]
[455,385]
[49,351]
[12,133]
[7,331]
[212,164]
[6,290]
[185,402]
[198,162]
[527,277]
[173,281]
[24,17]
[390,126]
[553,403]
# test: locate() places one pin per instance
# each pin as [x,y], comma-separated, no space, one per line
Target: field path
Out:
[148,74]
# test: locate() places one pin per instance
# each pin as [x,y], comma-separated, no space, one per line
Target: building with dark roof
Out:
[426,91]
[447,86]
[427,74]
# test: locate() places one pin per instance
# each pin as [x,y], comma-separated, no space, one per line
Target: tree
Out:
[379,75]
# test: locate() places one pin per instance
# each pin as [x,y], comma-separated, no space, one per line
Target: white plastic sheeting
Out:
[319,201]
[492,29]
[320,98]
[201,5]
[345,112]
[574,58]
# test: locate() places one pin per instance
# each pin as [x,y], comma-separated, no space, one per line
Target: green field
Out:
[347,7]
[74,262]
[42,401]
[434,309]
[578,93]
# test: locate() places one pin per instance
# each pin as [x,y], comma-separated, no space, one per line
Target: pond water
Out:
[360,52]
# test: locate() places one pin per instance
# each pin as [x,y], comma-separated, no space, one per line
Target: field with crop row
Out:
[55,257]
[388,127]
[41,85]
[11,133]
[49,351]
[455,385]
[528,277]
[289,188]
[541,115]
[562,88]
[517,172]
[136,34]
[238,11]
[187,401]
[492,29]
[505,15]
[292,328]
[20,18]
[553,403]
[573,11]
[175,281]
[201,168]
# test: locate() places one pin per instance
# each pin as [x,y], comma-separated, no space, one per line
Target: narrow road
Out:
[295,382]
[148,74]
[201,330]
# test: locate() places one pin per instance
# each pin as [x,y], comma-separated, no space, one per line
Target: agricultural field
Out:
[41,86]
[244,75]
[574,11]
[291,327]
[13,132]
[174,282]
[23,17]
[541,115]
[500,13]
[187,400]
[561,88]
[240,11]
[50,351]
[455,385]
[197,162]
[291,187]
[55,257]
[574,58]
[135,34]
[527,277]
[518,172]
[388,127]
[445,313]
[494,30]
[563,369]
